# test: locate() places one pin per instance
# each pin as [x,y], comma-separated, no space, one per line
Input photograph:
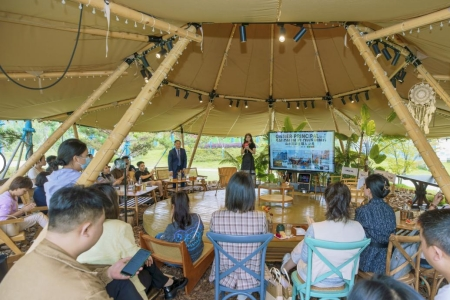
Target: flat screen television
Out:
[302,151]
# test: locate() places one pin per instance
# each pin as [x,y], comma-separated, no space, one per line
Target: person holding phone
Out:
[248,149]
[51,270]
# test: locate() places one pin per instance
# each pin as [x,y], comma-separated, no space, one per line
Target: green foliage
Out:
[9,136]
[235,161]
[289,127]
[391,117]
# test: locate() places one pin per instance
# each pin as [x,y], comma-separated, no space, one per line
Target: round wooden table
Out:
[276,198]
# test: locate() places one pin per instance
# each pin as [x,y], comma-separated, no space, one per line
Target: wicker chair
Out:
[225,174]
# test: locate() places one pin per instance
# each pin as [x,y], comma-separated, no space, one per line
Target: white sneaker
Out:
[286,258]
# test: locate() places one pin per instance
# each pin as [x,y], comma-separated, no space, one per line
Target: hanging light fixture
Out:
[200,98]
[394,82]
[401,75]
[288,105]
[231,103]
[246,104]
[146,74]
[357,97]
[282,36]
[367,95]
[299,34]
[177,92]
[243,34]
[312,104]
[396,58]
[298,105]
[305,105]
[351,99]
[386,53]
[237,103]
[161,53]
[343,101]
[376,49]
[169,45]
[186,95]
[144,61]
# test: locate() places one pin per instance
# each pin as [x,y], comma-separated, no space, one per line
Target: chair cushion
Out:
[319,289]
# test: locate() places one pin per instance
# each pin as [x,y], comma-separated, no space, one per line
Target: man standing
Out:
[146,176]
[177,160]
[434,226]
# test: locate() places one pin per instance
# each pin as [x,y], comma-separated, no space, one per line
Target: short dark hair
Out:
[177,141]
[41,178]
[125,157]
[139,163]
[68,149]
[72,206]
[435,224]
[382,287]
[111,206]
[240,193]
[52,163]
[338,197]
[181,216]
[378,185]
[50,159]
[21,182]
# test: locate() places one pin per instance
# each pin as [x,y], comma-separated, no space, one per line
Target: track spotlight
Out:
[146,74]
[357,97]
[186,95]
[376,49]
[305,104]
[243,34]
[343,101]
[288,105]
[237,103]
[300,34]
[161,53]
[144,61]
[200,98]
[351,99]
[177,92]
[298,105]
[394,82]
[312,104]
[282,36]
[169,45]
[367,95]
[401,75]
[246,104]
[231,103]
[386,53]
[396,58]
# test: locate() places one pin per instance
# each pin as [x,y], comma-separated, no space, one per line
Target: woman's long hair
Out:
[181,215]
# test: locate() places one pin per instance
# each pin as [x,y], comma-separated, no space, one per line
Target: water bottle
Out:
[140,181]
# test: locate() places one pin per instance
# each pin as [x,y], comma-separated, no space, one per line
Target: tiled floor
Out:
[156,217]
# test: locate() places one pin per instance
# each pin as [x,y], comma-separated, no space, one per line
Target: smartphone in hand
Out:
[135,263]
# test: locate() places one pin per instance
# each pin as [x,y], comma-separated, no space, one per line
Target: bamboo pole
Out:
[182,136]
[75,130]
[410,24]
[432,81]
[241,98]
[300,99]
[67,123]
[123,127]
[208,110]
[63,26]
[336,126]
[348,121]
[190,119]
[183,87]
[49,75]
[318,59]
[224,58]
[426,151]
[437,77]
[271,118]
[272,28]
[141,18]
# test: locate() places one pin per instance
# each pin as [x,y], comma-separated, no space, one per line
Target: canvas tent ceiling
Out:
[27,46]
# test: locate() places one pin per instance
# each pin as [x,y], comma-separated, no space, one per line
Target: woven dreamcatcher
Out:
[422,105]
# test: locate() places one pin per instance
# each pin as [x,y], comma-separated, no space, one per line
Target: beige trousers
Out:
[30,220]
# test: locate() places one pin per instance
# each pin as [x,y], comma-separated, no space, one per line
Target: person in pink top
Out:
[9,207]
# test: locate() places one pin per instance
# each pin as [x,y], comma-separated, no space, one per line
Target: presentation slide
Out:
[302,151]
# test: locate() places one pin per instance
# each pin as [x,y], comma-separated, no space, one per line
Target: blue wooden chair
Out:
[307,289]
[262,239]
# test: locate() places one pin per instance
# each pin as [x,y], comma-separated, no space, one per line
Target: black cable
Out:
[65,71]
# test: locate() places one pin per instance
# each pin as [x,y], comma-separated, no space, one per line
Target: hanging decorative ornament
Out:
[422,105]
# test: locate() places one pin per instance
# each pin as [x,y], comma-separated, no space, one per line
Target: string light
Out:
[431,27]
[442,24]
[143,27]
[80,6]
[117,18]
[63,2]
[403,33]
[126,21]
[418,30]
[410,32]
[93,10]
[135,25]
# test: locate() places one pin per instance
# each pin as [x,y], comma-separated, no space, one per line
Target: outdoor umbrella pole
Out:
[137,107]
[417,136]
[75,116]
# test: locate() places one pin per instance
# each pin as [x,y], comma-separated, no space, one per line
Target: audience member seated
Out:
[72,155]
[51,165]
[36,169]
[128,162]
[39,192]
[51,270]
[435,239]
[239,218]
[146,176]
[9,207]
[338,227]
[378,220]
[117,241]
[185,226]
[107,177]
[383,287]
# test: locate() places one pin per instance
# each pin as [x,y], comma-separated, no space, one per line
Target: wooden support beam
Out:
[141,18]
[348,121]
[322,73]
[63,26]
[432,81]
[417,136]
[75,116]
[123,127]
[440,15]
[331,108]
[224,58]
[199,135]
[437,77]
[75,130]
[48,75]
[272,29]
